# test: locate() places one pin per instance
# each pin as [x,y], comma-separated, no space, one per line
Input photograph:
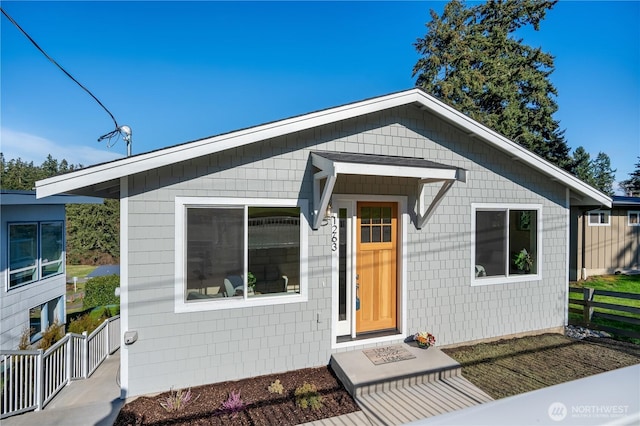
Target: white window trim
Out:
[629,214]
[608,215]
[181,204]
[477,281]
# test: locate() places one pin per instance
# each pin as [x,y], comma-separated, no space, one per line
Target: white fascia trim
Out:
[504,144]
[394,171]
[140,163]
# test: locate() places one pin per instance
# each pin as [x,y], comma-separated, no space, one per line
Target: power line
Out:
[118,130]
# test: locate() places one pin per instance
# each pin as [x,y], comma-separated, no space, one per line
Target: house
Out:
[361,224]
[605,240]
[32,268]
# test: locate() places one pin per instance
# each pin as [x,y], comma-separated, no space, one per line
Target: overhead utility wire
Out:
[109,135]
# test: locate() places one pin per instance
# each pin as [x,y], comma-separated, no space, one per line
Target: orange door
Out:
[376,272]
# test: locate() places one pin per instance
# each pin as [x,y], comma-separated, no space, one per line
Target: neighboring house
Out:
[362,224]
[32,265]
[605,240]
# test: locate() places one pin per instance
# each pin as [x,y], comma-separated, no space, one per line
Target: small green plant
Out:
[51,335]
[276,387]
[251,280]
[177,400]
[234,404]
[307,396]
[523,260]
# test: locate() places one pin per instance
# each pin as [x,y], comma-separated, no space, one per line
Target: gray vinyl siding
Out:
[187,349]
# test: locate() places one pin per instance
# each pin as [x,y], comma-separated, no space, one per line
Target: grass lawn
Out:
[510,367]
[80,271]
[75,295]
[622,283]
[619,283]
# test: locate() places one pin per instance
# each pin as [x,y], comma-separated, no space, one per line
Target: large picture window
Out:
[233,254]
[36,251]
[506,243]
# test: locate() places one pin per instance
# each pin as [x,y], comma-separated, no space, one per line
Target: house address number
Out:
[334,234]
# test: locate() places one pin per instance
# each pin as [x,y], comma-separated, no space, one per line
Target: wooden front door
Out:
[376,271]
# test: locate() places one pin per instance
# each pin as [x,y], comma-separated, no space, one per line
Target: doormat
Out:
[388,354]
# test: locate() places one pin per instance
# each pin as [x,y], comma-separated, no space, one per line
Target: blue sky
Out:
[177,71]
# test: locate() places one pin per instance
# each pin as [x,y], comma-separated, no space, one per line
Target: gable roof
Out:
[103,179]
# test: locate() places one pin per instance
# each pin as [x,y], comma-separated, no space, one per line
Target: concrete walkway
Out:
[93,401]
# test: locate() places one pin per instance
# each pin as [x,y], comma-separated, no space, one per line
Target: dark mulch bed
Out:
[261,406]
[502,368]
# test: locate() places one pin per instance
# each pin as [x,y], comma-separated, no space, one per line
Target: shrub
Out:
[105,312]
[276,387]
[176,401]
[25,339]
[84,323]
[91,320]
[100,291]
[51,335]
[233,404]
[307,396]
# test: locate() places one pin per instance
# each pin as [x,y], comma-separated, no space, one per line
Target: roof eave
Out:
[81,180]
[519,153]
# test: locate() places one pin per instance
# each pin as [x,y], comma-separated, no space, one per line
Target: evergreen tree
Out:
[18,174]
[582,165]
[631,186]
[93,230]
[93,233]
[471,60]
[603,175]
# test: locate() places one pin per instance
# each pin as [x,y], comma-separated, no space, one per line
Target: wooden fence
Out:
[590,317]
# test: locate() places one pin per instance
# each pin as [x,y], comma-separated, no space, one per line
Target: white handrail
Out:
[30,379]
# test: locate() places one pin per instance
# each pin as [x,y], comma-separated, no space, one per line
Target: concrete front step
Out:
[360,376]
[405,391]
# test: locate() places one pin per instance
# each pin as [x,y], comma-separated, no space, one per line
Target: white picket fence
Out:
[30,379]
